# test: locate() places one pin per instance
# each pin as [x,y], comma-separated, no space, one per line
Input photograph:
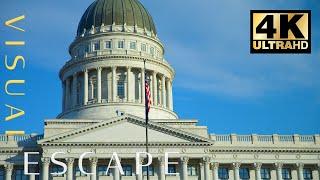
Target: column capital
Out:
[8,166]
[85,70]
[93,160]
[257,165]
[184,159]
[206,159]
[70,160]
[300,165]
[113,67]
[215,165]
[161,160]
[45,160]
[128,67]
[99,68]
[278,165]
[75,74]
[236,165]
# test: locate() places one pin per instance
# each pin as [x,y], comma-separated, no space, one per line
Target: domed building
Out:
[115,51]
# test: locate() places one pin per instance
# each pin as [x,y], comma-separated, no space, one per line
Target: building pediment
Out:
[126,129]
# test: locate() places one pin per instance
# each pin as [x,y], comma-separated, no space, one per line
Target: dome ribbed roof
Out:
[120,12]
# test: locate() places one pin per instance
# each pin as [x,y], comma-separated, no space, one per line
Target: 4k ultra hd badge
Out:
[280,31]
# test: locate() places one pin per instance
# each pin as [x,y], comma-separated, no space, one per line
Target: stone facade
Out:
[103,112]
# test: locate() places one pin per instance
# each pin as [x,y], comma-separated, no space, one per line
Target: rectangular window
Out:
[151,170]
[152,51]
[19,174]
[307,174]
[78,173]
[192,170]
[127,170]
[143,47]
[133,45]
[265,173]
[223,173]
[244,173]
[172,168]
[57,169]
[96,46]
[120,44]
[286,173]
[102,171]
[108,45]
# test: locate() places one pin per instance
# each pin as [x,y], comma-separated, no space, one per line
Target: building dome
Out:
[116,12]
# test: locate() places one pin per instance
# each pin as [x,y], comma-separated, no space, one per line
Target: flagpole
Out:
[146,114]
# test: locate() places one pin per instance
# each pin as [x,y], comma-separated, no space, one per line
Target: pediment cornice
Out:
[193,140]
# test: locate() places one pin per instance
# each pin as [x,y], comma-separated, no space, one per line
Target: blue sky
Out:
[217,80]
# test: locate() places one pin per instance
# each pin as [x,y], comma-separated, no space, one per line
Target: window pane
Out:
[151,171]
[102,171]
[133,45]
[265,173]
[244,173]
[223,173]
[143,47]
[108,44]
[172,168]
[127,169]
[286,173]
[121,44]
[96,46]
[307,174]
[192,170]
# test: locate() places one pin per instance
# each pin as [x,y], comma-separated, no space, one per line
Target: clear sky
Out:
[217,80]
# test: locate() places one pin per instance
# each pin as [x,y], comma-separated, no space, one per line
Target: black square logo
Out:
[280,31]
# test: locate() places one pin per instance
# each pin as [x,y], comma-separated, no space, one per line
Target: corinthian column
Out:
[9,168]
[206,163]
[184,164]
[74,89]
[45,168]
[170,100]
[236,167]
[67,93]
[129,98]
[258,169]
[99,69]
[215,168]
[93,165]
[300,171]
[163,81]
[279,170]
[140,175]
[162,174]
[70,162]
[85,87]
[142,86]
[155,88]
[114,84]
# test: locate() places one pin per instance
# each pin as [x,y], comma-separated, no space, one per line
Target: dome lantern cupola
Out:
[129,14]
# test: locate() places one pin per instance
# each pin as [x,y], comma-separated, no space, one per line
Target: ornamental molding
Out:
[194,140]
[87,60]
[264,150]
